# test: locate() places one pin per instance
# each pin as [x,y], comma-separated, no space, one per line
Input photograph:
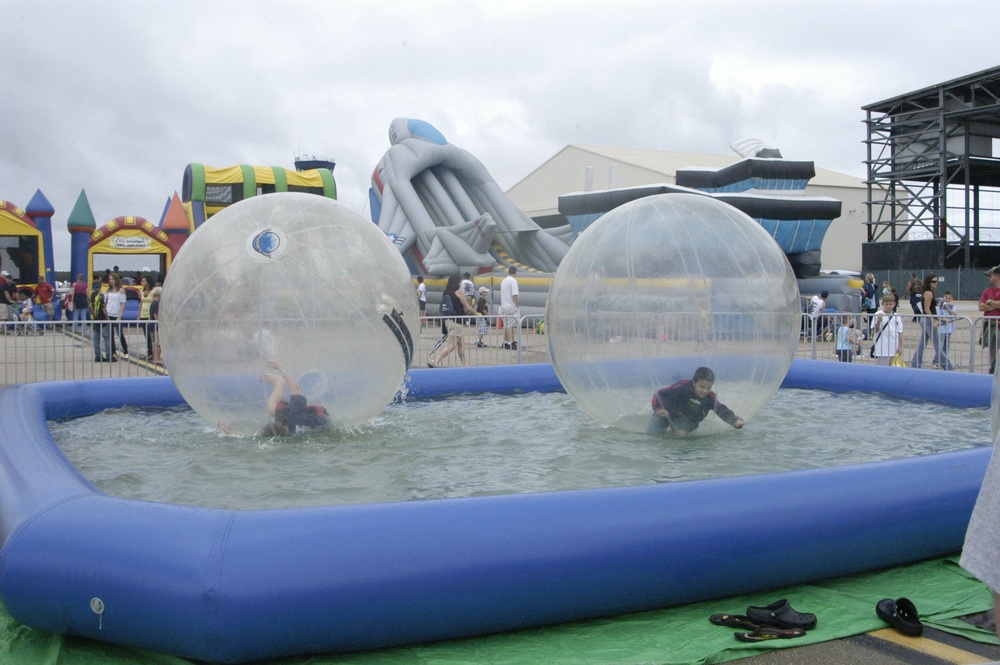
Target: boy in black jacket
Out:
[680,408]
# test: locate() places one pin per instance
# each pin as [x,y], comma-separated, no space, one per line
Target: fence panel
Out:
[35,351]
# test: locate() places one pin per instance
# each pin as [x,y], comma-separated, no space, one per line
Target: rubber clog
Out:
[901,614]
[781,615]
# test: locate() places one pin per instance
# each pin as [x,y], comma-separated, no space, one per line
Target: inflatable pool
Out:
[231,585]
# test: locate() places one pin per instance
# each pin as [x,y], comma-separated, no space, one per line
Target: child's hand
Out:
[739,423]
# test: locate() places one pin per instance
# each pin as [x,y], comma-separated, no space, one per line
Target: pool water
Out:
[479,445]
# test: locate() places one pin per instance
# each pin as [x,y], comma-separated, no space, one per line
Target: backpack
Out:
[96,305]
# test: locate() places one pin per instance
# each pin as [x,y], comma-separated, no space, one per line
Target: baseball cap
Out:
[4,273]
[995,270]
[483,289]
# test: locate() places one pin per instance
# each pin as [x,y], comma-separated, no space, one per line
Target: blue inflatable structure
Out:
[241,585]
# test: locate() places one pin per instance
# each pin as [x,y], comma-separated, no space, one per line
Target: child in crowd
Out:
[848,340]
[945,329]
[26,312]
[680,408]
[482,321]
[886,332]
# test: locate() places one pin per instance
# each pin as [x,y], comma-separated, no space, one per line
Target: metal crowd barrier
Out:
[964,349]
[530,344]
[54,351]
[32,351]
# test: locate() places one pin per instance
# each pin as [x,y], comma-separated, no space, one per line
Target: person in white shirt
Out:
[510,308]
[817,305]
[887,332]
[115,304]
[422,299]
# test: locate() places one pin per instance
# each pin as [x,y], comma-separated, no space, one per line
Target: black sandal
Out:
[765,633]
[901,614]
[781,615]
[733,621]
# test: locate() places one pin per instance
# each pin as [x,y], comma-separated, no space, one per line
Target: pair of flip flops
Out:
[901,614]
[771,622]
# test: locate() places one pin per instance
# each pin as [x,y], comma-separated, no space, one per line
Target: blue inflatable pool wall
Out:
[235,585]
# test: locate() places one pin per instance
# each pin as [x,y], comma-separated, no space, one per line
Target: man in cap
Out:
[989,305]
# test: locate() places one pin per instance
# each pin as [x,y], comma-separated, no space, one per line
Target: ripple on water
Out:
[473,446]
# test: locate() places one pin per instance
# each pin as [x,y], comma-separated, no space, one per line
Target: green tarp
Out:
[941,590]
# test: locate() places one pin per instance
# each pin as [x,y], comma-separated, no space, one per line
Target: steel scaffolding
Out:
[933,167]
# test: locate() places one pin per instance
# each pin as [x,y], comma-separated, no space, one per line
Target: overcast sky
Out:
[116,98]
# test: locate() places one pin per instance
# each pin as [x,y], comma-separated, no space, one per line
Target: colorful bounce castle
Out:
[26,235]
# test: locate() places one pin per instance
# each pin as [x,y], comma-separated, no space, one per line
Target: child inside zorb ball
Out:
[286,313]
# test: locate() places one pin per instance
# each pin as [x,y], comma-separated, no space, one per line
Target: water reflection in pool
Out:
[469,446]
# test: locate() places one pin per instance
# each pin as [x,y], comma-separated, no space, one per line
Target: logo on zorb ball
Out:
[267,244]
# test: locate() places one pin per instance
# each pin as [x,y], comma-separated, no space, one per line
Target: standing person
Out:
[510,308]
[482,321]
[451,326]
[469,289]
[99,327]
[115,303]
[887,333]
[945,329]
[847,340]
[8,300]
[928,323]
[680,408]
[869,297]
[914,290]
[989,305]
[422,299]
[81,307]
[154,317]
[43,292]
[146,301]
[817,305]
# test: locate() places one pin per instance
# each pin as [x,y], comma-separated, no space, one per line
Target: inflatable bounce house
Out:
[446,214]
[26,240]
[206,190]
[765,187]
[134,235]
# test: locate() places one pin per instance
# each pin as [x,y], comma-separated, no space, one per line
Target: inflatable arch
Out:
[133,235]
[206,190]
[20,244]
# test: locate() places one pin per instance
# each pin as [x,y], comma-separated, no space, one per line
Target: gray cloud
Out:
[117,97]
